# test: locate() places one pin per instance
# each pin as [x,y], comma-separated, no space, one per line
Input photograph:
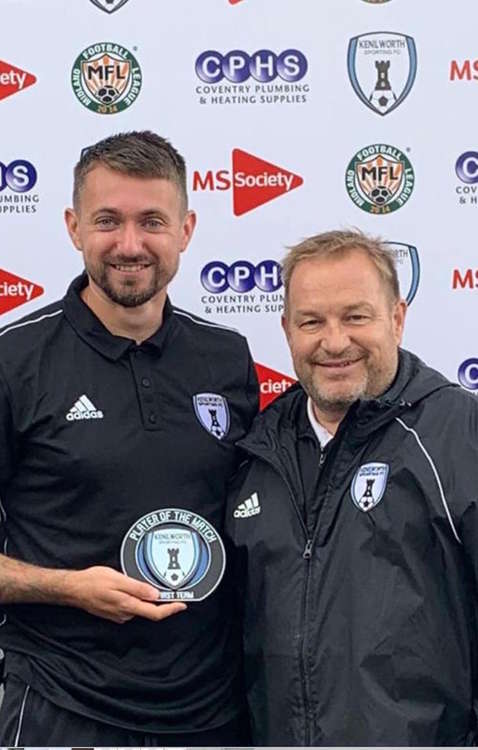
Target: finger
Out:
[155,612]
[138,589]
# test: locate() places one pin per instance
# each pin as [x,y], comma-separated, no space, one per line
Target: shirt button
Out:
[146,382]
[152,417]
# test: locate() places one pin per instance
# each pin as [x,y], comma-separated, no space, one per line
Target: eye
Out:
[105,222]
[357,318]
[153,224]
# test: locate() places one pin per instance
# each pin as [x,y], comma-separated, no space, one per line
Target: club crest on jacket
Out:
[368,485]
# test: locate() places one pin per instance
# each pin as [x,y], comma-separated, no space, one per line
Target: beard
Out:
[334,396]
[130,292]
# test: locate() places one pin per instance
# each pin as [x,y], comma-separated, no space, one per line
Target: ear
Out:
[72,225]
[285,325]
[189,223]
[398,317]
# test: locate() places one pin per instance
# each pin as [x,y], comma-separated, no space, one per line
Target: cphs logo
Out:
[382,68]
[379,179]
[242,287]
[468,374]
[466,169]
[407,264]
[253,181]
[109,6]
[17,180]
[263,77]
[178,552]
[106,78]
[368,485]
[212,412]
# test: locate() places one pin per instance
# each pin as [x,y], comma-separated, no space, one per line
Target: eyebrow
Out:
[144,214]
[348,308]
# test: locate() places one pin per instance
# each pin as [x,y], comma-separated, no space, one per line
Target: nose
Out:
[130,238]
[335,338]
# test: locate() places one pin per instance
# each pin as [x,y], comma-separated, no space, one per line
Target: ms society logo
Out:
[382,68]
[17,180]
[106,78]
[380,179]
[15,291]
[466,169]
[263,77]
[253,181]
[242,287]
[271,384]
[13,79]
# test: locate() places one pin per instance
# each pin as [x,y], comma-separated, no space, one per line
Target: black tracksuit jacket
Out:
[362,630]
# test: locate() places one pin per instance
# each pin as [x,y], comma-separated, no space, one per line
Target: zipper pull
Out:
[308,550]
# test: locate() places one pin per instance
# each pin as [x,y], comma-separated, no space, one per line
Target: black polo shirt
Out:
[95,432]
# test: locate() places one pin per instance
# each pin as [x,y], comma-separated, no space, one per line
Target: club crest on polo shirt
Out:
[368,485]
[177,551]
[212,412]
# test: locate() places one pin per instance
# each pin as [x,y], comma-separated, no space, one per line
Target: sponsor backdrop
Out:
[294,117]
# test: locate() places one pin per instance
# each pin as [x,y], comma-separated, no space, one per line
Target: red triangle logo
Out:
[271,384]
[256,181]
[13,80]
[15,291]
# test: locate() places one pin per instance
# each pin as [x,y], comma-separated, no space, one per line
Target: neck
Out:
[137,323]
[329,419]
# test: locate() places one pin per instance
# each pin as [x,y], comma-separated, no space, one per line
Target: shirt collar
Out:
[323,435]
[90,328]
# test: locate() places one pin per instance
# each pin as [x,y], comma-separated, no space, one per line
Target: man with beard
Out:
[118,417]
[355,522]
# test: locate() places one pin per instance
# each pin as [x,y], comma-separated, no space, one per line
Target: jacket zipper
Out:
[306,555]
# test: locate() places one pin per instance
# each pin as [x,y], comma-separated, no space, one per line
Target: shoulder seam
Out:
[205,323]
[30,322]
[435,474]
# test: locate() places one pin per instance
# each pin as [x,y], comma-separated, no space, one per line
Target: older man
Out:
[355,522]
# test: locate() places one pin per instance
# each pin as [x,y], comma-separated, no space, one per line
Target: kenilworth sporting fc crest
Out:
[109,6]
[407,264]
[178,552]
[368,485]
[382,67]
[212,412]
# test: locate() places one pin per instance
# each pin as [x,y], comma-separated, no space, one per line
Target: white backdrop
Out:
[304,119]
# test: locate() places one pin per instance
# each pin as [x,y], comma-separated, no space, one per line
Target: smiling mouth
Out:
[132,268]
[339,365]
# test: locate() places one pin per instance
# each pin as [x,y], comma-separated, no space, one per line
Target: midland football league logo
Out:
[254,181]
[382,67]
[106,78]
[13,79]
[380,179]
[109,6]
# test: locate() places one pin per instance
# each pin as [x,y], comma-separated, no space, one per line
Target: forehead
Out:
[107,187]
[344,279]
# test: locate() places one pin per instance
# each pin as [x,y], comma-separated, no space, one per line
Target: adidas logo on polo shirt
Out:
[249,507]
[83,409]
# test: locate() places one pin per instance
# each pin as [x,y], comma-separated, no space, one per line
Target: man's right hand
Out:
[105,592]
[99,590]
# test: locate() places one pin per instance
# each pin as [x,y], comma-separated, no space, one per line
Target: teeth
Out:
[129,268]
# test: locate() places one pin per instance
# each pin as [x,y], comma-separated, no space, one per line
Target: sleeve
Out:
[252,385]
[7,442]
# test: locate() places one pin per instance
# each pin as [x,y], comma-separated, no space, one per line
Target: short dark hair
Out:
[137,153]
[339,243]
